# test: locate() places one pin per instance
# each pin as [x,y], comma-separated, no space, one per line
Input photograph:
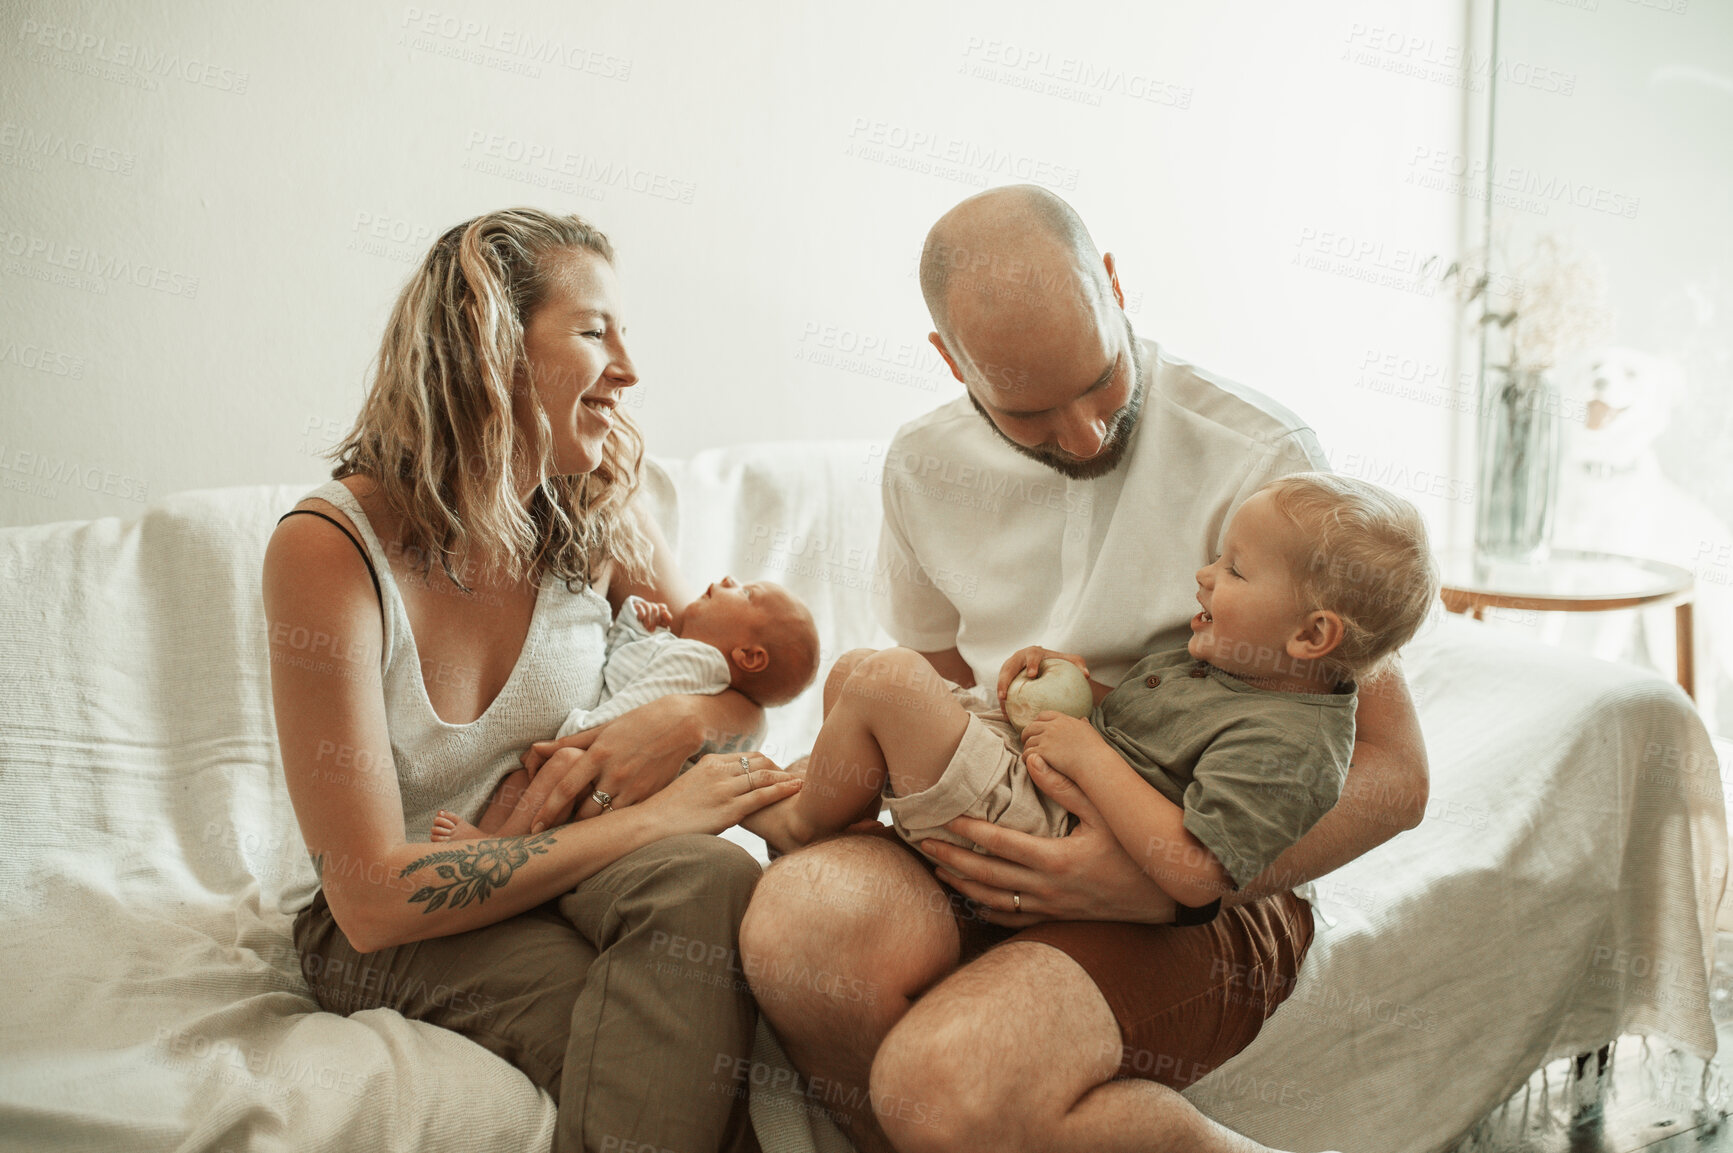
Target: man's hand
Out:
[1029,660]
[652,615]
[1069,745]
[1083,877]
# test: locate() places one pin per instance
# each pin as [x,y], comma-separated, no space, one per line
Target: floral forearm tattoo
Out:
[473,870]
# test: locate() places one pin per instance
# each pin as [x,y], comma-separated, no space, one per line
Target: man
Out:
[1066,502]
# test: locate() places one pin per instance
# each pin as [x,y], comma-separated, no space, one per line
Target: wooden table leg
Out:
[1684,643]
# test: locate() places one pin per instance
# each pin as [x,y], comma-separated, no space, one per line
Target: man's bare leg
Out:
[839,940]
[893,714]
[1042,1048]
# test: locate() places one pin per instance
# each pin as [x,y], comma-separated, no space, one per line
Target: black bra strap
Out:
[359,547]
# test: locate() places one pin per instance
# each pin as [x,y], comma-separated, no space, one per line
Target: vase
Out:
[1518,447]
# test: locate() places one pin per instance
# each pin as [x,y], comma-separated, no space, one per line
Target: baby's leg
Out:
[501,808]
[893,714]
[448,826]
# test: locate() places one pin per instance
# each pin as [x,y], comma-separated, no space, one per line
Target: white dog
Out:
[1615,497]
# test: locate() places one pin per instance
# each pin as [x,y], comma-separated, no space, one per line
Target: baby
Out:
[756,638]
[1245,733]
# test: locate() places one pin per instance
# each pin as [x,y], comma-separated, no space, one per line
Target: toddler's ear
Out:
[1319,636]
[751,658]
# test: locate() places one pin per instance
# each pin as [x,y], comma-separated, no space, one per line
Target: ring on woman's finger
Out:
[1016,901]
[606,800]
[745,763]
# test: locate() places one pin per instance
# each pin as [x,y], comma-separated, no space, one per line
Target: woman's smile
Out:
[575,345]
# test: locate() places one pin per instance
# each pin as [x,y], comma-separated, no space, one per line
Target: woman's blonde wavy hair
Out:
[436,431]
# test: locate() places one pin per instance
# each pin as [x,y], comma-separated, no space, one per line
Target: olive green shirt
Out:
[1252,768]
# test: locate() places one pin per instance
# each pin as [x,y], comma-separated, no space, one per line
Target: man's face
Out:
[1076,419]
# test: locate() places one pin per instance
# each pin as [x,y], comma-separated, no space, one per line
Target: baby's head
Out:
[766,634]
[1321,576]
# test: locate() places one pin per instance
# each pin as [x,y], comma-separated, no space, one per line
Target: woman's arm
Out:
[325,641]
[635,755]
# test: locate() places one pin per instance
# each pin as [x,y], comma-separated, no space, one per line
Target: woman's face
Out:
[576,346]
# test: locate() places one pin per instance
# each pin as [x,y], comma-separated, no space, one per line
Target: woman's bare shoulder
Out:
[308,550]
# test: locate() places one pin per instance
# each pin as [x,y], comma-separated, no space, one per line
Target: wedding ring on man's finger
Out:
[606,800]
[1016,901]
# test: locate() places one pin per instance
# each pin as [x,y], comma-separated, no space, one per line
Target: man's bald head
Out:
[1009,255]
[1029,316]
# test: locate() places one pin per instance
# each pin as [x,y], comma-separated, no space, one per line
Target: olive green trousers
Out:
[624,999]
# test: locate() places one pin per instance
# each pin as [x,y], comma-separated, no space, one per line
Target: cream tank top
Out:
[457,767]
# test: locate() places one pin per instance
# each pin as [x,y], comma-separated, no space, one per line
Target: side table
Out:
[1573,581]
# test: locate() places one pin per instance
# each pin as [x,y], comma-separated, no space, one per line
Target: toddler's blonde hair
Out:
[1366,560]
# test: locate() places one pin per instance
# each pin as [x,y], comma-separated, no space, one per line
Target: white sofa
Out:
[1562,891]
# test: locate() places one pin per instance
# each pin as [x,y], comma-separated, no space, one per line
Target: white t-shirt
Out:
[986,551]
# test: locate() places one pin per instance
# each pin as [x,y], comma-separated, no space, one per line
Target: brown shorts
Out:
[1186,999]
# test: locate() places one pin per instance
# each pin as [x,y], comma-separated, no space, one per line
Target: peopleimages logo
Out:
[1425,57]
[1513,186]
[24,141]
[872,139]
[144,62]
[106,267]
[1067,77]
[520,44]
[536,156]
[36,358]
[46,470]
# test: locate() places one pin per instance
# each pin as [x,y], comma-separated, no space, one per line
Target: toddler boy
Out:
[1207,761]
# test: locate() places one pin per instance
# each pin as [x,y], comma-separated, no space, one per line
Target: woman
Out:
[439,606]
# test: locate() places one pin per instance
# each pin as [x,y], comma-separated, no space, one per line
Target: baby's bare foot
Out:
[448,826]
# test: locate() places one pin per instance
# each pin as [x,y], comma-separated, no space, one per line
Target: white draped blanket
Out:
[1562,890]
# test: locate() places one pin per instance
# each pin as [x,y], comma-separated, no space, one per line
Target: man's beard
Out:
[1113,444]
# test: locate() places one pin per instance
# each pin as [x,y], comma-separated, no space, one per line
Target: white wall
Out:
[206,208]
